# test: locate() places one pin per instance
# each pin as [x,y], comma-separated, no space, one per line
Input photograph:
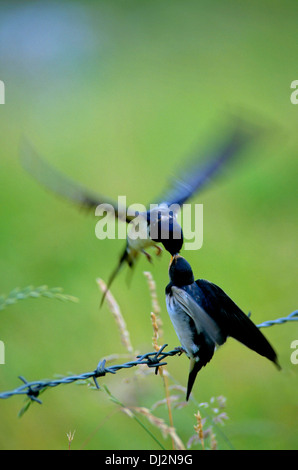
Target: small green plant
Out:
[28,292]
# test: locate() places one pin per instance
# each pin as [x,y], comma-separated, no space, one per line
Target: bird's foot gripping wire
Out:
[180,350]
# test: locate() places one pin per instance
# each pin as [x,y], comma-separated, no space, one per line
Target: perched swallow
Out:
[158,225]
[204,316]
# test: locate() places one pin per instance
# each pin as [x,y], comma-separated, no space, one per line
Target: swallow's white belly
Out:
[182,324]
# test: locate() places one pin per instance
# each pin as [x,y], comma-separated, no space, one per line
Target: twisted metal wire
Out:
[292,317]
[151,359]
[33,389]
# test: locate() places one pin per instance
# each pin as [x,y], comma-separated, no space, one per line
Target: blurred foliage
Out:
[116,95]
[34,292]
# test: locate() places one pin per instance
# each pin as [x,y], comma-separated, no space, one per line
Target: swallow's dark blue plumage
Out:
[204,317]
[160,220]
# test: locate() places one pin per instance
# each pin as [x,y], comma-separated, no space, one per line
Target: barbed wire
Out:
[33,389]
[151,359]
[292,317]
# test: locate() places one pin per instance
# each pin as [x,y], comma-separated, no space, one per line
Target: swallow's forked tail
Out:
[195,367]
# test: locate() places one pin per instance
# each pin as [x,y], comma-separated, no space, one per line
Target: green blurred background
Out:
[116,94]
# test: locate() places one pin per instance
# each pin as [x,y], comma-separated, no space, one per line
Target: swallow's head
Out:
[180,271]
[167,230]
[173,244]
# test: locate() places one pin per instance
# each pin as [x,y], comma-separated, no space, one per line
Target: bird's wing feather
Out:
[203,322]
[234,321]
[200,173]
[62,185]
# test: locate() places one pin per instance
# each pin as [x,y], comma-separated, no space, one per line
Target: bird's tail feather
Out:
[126,257]
[195,367]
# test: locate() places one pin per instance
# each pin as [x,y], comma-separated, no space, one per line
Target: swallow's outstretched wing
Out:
[234,322]
[199,173]
[63,186]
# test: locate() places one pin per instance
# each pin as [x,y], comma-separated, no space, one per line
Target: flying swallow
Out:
[158,225]
[204,317]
